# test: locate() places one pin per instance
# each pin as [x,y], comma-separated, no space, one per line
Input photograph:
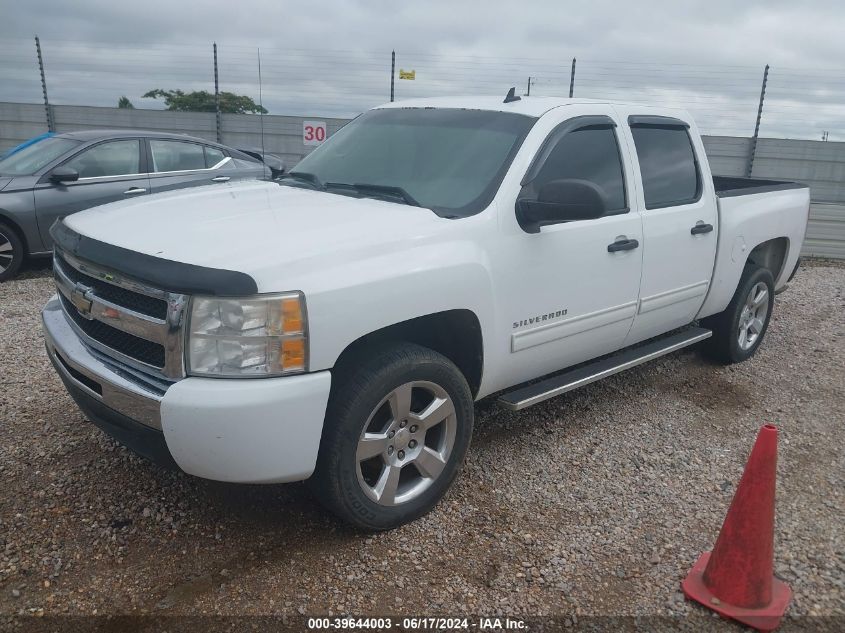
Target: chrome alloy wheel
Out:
[753,316]
[406,443]
[7,253]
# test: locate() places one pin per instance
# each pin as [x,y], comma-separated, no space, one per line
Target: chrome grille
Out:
[133,346]
[128,321]
[144,304]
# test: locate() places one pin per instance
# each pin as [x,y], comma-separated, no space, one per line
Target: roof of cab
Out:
[529,106]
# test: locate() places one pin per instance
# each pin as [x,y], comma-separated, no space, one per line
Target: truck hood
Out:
[256,227]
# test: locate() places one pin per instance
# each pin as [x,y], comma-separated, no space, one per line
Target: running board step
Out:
[550,387]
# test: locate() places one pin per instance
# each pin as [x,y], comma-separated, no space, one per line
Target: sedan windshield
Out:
[29,160]
[448,160]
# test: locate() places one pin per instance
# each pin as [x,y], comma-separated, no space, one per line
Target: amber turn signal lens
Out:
[293,354]
[291,315]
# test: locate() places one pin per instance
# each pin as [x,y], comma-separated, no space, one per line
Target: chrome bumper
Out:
[117,387]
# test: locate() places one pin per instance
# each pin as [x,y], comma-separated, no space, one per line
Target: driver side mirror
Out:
[64,174]
[560,201]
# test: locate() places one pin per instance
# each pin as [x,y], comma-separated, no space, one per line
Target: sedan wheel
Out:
[11,253]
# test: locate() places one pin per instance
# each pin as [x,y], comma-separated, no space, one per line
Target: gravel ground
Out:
[593,504]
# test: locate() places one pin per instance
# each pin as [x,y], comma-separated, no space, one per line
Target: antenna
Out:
[511,96]
[261,111]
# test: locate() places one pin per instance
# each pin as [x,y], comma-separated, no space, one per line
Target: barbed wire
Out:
[799,103]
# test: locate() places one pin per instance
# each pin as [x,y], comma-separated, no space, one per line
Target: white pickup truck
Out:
[339,324]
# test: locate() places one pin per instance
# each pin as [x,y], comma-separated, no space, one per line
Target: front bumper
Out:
[239,430]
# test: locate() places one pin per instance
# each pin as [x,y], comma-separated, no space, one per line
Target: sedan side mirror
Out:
[560,201]
[64,174]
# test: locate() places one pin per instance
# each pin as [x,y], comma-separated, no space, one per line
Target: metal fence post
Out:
[217,98]
[753,149]
[528,93]
[572,79]
[392,72]
[48,113]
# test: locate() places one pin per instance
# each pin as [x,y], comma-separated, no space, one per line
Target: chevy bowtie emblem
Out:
[81,298]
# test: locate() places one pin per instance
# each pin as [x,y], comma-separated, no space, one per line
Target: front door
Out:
[571,290]
[108,171]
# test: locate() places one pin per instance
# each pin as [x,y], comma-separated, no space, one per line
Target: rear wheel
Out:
[11,252]
[397,430]
[739,330]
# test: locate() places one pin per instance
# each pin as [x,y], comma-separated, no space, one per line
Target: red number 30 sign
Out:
[313,132]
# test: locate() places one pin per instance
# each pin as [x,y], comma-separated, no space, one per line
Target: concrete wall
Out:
[282,134]
[819,164]
[728,155]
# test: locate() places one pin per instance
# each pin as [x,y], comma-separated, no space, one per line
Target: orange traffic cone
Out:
[736,579]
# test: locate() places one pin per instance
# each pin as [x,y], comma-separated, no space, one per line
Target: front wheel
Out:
[739,330]
[11,252]
[397,429]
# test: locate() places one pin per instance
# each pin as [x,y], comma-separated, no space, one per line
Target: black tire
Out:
[356,395]
[724,346]
[9,267]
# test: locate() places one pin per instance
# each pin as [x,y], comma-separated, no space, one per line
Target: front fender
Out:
[366,295]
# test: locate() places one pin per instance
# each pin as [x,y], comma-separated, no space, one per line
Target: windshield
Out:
[451,161]
[29,160]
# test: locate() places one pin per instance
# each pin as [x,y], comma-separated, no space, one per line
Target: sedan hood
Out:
[256,227]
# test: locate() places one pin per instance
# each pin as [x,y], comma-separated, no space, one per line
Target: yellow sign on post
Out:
[407,74]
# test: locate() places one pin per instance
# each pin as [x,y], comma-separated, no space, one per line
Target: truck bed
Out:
[728,186]
[754,211]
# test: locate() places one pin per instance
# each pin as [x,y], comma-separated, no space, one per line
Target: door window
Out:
[591,154]
[114,158]
[176,156]
[668,166]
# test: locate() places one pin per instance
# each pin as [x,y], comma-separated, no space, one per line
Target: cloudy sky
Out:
[333,58]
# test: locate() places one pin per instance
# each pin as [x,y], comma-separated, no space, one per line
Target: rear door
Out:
[108,171]
[679,216]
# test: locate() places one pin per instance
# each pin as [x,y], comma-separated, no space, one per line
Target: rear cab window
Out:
[668,163]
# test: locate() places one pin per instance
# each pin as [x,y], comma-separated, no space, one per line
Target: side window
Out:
[113,158]
[668,166]
[592,154]
[213,156]
[176,155]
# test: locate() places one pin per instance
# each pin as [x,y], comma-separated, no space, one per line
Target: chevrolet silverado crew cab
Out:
[337,325]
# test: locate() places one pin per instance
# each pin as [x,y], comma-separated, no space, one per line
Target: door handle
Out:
[622,245]
[221,179]
[701,228]
[134,190]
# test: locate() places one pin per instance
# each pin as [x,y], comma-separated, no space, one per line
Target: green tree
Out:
[203,101]
[125,103]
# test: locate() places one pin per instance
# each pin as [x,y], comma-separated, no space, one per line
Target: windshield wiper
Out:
[378,190]
[305,177]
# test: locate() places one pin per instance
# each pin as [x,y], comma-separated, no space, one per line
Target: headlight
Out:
[250,336]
